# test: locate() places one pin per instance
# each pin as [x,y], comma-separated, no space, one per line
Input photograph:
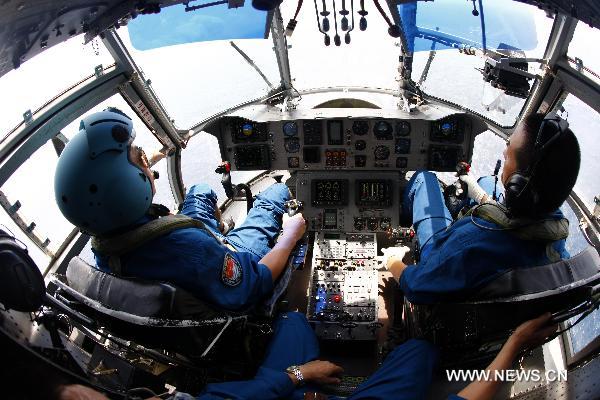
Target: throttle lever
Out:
[298,254]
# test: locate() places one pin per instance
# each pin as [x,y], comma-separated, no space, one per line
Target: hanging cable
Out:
[326,36]
[336,38]
[393,30]
[347,35]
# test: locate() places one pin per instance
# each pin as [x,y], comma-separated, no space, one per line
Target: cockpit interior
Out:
[344,121]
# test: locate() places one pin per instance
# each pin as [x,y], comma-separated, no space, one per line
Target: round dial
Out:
[403,128]
[446,128]
[290,129]
[360,128]
[382,152]
[360,145]
[247,129]
[292,145]
[383,130]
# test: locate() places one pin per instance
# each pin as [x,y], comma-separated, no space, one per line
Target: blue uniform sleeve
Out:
[435,278]
[195,261]
[455,397]
[268,384]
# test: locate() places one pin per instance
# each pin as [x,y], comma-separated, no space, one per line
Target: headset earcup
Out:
[515,193]
[22,286]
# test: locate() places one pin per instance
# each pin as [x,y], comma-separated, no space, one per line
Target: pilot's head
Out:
[103,182]
[541,165]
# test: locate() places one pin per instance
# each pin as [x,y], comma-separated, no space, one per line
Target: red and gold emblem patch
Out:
[231,273]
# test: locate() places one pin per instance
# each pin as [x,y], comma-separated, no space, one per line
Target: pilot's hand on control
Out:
[293,227]
[475,191]
[159,154]
[324,372]
[533,333]
[391,253]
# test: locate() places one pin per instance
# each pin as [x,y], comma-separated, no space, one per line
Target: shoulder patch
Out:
[231,272]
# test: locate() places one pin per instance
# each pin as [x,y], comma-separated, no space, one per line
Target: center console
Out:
[344,286]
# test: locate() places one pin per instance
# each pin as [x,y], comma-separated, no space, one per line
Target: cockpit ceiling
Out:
[27,28]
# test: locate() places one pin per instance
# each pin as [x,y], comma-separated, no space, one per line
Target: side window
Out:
[585,123]
[584,40]
[46,75]
[32,186]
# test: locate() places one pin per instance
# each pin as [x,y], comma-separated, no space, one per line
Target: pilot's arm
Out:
[293,230]
[527,335]
[271,384]
[439,275]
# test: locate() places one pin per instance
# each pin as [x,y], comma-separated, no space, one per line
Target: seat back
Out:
[135,296]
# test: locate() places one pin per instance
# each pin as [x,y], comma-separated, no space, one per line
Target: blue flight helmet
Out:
[97,187]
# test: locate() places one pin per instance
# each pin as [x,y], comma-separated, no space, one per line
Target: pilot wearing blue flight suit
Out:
[524,228]
[104,186]
[291,369]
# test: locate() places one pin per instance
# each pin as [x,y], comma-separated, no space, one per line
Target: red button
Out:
[337,298]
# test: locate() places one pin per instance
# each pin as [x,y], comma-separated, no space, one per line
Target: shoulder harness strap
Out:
[548,230]
[115,246]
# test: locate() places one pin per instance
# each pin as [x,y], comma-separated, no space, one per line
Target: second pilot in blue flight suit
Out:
[459,256]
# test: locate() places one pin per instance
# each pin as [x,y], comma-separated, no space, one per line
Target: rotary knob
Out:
[382,152]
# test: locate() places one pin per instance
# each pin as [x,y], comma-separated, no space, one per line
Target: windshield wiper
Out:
[252,64]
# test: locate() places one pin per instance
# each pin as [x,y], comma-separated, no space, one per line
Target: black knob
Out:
[344,24]
[266,5]
[394,31]
[347,38]
[327,40]
[325,25]
[363,24]
[337,40]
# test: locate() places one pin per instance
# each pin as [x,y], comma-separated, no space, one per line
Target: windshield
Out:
[196,78]
[439,32]
[369,60]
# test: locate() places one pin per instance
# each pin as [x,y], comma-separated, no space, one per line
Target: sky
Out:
[173,25]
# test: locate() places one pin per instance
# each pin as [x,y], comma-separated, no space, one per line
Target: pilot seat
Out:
[156,315]
[471,330]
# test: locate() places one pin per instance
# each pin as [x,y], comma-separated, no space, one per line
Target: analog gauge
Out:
[292,145]
[403,128]
[360,128]
[290,129]
[446,128]
[360,145]
[247,129]
[382,152]
[383,130]
[402,146]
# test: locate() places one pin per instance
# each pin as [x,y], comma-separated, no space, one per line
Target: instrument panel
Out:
[347,143]
[358,203]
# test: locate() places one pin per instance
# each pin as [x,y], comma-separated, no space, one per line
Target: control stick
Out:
[232,190]
[456,194]
[293,207]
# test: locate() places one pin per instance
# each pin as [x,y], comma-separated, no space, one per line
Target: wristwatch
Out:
[294,369]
